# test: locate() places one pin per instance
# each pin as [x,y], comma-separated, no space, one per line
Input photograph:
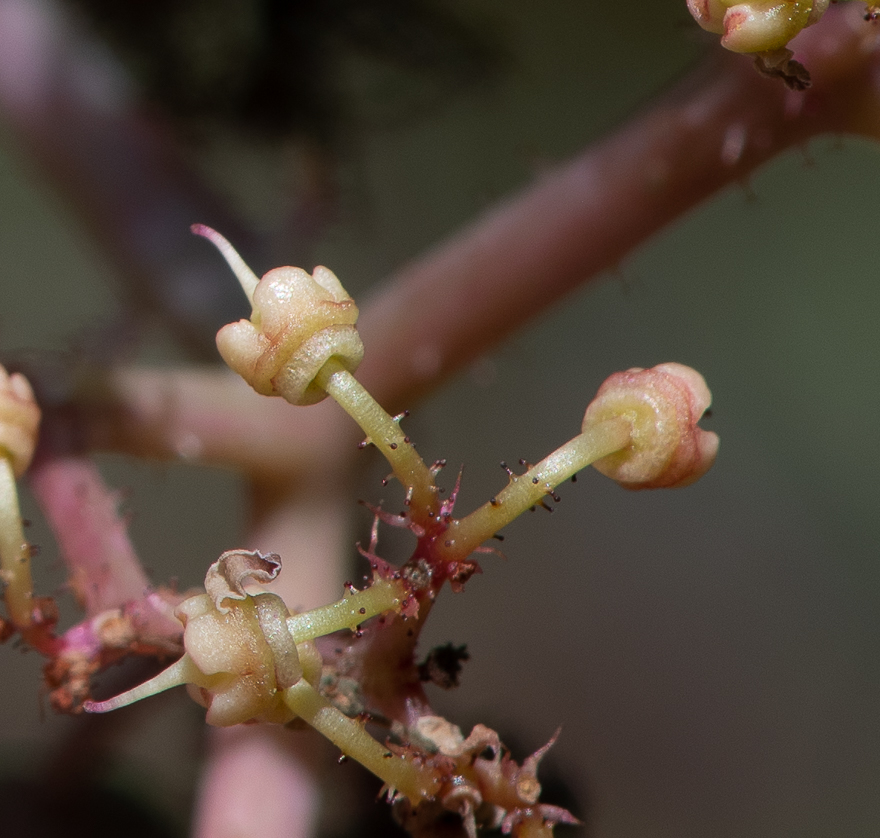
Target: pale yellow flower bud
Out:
[663,405]
[19,420]
[233,650]
[757,25]
[299,322]
[240,656]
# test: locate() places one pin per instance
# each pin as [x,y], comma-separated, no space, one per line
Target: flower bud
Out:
[759,25]
[299,322]
[233,650]
[663,405]
[240,656]
[19,420]
[709,14]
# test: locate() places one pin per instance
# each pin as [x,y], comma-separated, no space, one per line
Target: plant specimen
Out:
[248,659]
[722,119]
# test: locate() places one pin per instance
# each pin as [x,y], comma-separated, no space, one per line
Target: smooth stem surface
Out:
[15,558]
[525,490]
[383,432]
[351,737]
[347,613]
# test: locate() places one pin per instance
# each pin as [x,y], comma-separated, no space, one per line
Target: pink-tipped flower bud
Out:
[663,406]
[709,14]
[299,322]
[757,25]
[19,420]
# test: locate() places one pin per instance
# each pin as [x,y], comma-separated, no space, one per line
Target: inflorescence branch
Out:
[248,659]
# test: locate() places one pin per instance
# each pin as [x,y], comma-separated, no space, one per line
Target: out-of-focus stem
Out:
[83,513]
[15,558]
[51,75]
[383,432]
[256,784]
[525,490]
[350,736]
[211,415]
[452,305]
[716,127]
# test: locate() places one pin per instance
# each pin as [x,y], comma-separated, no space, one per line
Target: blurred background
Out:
[712,653]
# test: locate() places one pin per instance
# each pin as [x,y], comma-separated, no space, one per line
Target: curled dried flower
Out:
[663,405]
[245,656]
[759,25]
[237,664]
[19,420]
[299,322]
[483,784]
[254,661]
[227,577]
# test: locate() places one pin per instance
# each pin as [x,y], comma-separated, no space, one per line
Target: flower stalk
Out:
[349,612]
[301,344]
[525,490]
[399,772]
[246,657]
[385,433]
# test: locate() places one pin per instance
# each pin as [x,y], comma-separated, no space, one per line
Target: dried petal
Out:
[227,576]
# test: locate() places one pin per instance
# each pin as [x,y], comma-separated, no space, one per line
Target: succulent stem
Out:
[384,433]
[416,782]
[349,612]
[525,490]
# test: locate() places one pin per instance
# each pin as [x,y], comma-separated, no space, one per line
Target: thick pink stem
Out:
[259,781]
[104,571]
[124,615]
[714,129]
[211,415]
[263,781]
[446,309]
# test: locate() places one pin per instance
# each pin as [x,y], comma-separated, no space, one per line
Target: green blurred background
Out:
[711,654]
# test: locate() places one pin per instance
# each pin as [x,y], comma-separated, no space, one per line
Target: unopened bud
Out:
[663,405]
[19,420]
[757,25]
[240,656]
[299,322]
